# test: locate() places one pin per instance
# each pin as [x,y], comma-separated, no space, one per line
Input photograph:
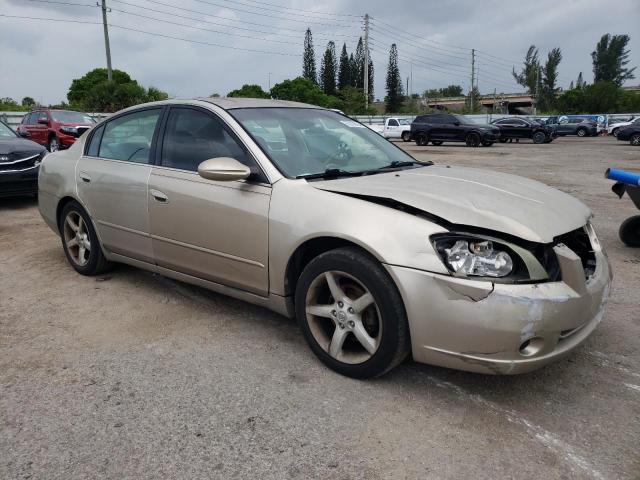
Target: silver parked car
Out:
[309,213]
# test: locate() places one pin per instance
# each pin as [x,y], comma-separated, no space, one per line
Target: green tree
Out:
[344,69]
[580,83]
[328,69]
[394,98]
[28,103]
[529,76]
[249,91]
[94,92]
[359,65]
[352,100]
[477,104]
[214,95]
[450,91]
[10,105]
[600,97]
[353,71]
[610,59]
[304,90]
[309,58]
[549,88]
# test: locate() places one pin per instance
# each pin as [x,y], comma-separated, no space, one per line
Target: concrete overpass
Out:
[515,103]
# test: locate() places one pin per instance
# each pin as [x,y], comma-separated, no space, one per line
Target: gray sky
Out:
[40,58]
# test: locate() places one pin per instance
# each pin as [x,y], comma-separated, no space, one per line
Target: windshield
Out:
[305,141]
[6,132]
[65,116]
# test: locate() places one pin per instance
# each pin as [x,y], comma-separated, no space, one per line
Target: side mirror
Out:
[43,121]
[224,169]
[24,134]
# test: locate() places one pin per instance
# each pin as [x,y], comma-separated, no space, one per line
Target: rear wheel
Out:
[80,242]
[630,231]
[581,132]
[437,143]
[472,140]
[53,144]
[406,136]
[351,314]
[422,139]
[539,137]
[635,139]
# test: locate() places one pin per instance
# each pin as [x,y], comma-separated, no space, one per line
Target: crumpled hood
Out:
[479,198]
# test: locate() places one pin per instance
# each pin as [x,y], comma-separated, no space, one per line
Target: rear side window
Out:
[193,136]
[94,145]
[393,123]
[434,119]
[129,136]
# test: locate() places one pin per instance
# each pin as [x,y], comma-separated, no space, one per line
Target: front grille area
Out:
[578,241]
[19,161]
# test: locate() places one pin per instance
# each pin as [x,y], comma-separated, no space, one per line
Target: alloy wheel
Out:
[635,140]
[343,317]
[76,238]
[53,145]
[473,140]
[581,132]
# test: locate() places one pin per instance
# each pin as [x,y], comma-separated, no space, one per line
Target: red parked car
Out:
[55,129]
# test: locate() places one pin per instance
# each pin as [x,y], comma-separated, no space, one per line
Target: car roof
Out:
[229,103]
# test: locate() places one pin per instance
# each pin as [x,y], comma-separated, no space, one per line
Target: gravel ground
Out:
[131,375]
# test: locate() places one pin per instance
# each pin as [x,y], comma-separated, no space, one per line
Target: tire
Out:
[630,232]
[406,136]
[539,137]
[422,140]
[78,236]
[486,143]
[437,143]
[581,132]
[53,145]
[326,323]
[614,132]
[472,140]
[635,139]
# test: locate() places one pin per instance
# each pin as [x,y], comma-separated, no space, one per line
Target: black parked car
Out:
[438,128]
[630,133]
[19,163]
[523,128]
[582,127]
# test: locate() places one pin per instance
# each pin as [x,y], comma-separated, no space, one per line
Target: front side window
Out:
[129,136]
[303,141]
[94,145]
[193,136]
[41,116]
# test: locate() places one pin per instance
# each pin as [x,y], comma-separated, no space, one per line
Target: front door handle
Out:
[84,177]
[159,196]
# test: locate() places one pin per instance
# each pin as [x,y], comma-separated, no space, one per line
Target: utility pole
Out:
[366,60]
[473,76]
[106,40]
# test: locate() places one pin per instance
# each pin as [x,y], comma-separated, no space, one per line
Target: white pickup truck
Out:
[394,127]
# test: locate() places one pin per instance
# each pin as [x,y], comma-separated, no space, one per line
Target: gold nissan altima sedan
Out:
[309,213]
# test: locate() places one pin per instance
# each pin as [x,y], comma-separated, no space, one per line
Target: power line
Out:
[308,11]
[153,34]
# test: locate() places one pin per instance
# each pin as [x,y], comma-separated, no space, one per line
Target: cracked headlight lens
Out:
[475,257]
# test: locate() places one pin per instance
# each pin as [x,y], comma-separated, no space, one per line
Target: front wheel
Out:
[53,145]
[80,242]
[473,140]
[422,139]
[614,132]
[581,132]
[406,136]
[351,314]
[630,231]
[635,139]
[539,137]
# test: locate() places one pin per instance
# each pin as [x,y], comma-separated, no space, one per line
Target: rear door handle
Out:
[84,177]
[159,196]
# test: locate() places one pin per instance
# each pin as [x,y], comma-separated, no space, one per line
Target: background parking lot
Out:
[132,375]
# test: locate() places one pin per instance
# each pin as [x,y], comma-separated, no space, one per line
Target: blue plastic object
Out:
[622,176]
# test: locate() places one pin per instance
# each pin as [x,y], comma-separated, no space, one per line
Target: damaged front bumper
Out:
[495,328]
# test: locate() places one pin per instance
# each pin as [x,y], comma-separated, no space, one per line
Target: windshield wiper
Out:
[330,173]
[406,163]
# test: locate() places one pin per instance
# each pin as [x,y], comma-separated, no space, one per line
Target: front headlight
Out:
[478,258]
[70,130]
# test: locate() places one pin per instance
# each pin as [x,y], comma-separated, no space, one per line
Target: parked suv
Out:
[444,127]
[581,127]
[630,133]
[523,128]
[55,129]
